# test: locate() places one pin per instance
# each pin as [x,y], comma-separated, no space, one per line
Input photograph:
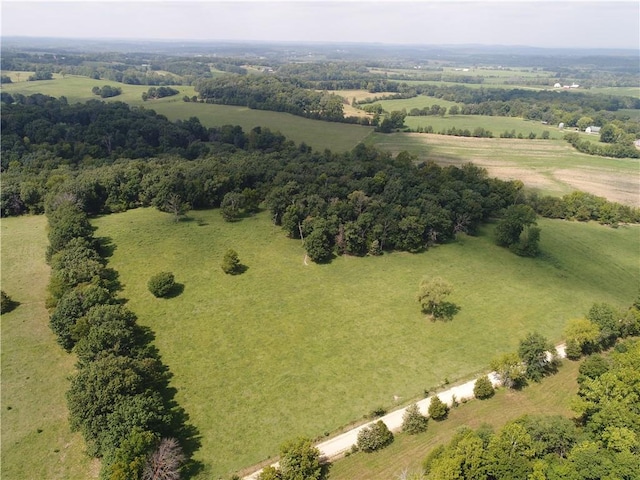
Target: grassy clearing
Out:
[289,349]
[550,397]
[421,101]
[551,167]
[36,441]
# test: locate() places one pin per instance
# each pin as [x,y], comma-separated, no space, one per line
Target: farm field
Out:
[289,349]
[318,134]
[552,396]
[420,101]
[338,137]
[35,422]
[550,167]
[496,125]
[78,89]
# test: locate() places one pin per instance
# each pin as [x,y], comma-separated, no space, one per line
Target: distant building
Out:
[561,125]
[592,129]
[557,85]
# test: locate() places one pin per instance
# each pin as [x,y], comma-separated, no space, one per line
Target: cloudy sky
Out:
[543,23]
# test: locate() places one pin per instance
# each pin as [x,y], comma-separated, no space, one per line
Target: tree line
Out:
[119,399]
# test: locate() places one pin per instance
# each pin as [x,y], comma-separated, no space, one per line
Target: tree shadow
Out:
[105,246]
[175,291]
[445,312]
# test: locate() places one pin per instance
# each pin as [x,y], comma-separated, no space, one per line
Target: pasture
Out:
[289,349]
[36,440]
[550,397]
[315,133]
[550,167]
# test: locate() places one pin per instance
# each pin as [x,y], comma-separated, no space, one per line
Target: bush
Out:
[438,410]
[374,437]
[413,421]
[162,284]
[483,388]
[231,262]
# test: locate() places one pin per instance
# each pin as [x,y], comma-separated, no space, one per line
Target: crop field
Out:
[551,167]
[36,440]
[550,397]
[289,349]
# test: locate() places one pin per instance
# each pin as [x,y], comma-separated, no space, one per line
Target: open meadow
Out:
[289,349]
[36,440]
[550,167]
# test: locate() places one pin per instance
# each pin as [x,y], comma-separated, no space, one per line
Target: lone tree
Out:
[175,206]
[231,263]
[161,284]
[413,421]
[299,459]
[432,296]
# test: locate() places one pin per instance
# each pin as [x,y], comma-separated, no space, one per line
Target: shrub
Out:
[483,388]
[413,421]
[161,284]
[374,437]
[231,262]
[438,410]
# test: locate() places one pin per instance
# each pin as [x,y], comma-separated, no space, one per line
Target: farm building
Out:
[592,129]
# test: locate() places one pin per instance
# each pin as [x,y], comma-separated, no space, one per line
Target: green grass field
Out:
[36,441]
[318,134]
[550,397]
[288,349]
[550,167]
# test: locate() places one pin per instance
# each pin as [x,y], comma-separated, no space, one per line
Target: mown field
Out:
[550,167]
[36,440]
[289,349]
[550,397]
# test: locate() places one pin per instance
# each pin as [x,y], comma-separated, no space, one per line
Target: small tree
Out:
[374,437]
[438,410]
[165,462]
[432,296]
[483,388]
[231,263]
[161,284]
[533,352]
[509,369]
[299,459]
[413,421]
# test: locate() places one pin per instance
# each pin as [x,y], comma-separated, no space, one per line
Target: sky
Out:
[543,23]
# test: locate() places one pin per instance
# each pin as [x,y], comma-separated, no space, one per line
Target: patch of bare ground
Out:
[549,167]
[616,187]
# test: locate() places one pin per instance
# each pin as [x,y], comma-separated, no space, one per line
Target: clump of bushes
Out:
[483,388]
[374,437]
[161,284]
